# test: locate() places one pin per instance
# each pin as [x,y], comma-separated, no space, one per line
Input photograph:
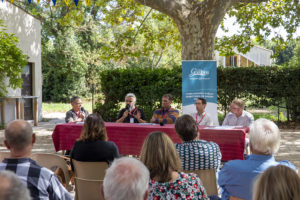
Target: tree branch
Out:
[165,6]
[142,24]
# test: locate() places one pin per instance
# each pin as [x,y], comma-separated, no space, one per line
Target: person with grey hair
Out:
[41,182]
[131,113]
[77,113]
[11,187]
[126,178]
[237,176]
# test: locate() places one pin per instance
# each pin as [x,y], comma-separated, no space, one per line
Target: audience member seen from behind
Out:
[41,182]
[166,114]
[167,182]
[11,187]
[277,183]
[77,113]
[237,115]
[201,117]
[126,178]
[237,176]
[195,154]
[92,144]
[131,113]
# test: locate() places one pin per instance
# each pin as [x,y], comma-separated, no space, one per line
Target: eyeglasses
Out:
[198,103]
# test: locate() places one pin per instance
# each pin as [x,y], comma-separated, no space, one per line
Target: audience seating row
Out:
[88,176]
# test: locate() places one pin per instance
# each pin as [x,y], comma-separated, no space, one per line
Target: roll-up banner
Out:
[199,79]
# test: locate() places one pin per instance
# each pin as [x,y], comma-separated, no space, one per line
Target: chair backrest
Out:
[208,178]
[89,170]
[4,155]
[50,161]
[234,198]
[88,189]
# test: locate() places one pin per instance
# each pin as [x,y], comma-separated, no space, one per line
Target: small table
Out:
[130,137]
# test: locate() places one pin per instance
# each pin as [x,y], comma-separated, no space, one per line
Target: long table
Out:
[130,137]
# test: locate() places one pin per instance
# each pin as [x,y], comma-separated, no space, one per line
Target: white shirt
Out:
[204,119]
[246,119]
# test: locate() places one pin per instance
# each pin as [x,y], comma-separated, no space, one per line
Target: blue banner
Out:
[199,79]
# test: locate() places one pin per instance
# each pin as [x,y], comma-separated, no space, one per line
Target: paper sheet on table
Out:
[220,127]
[147,124]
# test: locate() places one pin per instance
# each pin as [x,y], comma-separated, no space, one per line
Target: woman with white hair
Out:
[237,176]
[131,113]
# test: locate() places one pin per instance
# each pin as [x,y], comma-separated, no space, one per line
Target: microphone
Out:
[127,107]
[161,124]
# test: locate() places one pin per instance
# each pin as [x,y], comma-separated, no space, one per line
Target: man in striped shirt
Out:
[167,114]
[195,154]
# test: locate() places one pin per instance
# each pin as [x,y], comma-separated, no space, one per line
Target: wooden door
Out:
[27,90]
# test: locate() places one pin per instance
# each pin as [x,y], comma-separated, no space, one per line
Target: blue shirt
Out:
[199,154]
[236,178]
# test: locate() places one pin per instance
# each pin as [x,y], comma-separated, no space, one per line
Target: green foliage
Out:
[12,61]
[258,20]
[283,56]
[295,60]
[78,42]
[148,85]
[263,86]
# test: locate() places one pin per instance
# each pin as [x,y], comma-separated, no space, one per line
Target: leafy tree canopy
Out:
[135,30]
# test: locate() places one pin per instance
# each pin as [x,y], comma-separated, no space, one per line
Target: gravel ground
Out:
[289,148]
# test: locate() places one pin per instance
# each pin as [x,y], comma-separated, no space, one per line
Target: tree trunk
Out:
[197,38]
[197,21]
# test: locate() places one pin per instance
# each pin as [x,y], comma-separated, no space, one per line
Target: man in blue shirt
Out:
[237,176]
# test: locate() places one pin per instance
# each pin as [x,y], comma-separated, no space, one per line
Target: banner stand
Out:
[199,79]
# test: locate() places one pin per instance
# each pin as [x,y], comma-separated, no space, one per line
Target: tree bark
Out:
[197,22]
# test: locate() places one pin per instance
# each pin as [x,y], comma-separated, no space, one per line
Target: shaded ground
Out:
[289,148]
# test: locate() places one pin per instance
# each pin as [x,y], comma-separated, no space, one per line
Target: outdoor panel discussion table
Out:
[130,137]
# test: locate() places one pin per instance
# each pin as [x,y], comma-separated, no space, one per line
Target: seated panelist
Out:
[201,117]
[131,113]
[166,114]
[77,113]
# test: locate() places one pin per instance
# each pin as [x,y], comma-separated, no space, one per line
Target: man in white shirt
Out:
[201,117]
[237,115]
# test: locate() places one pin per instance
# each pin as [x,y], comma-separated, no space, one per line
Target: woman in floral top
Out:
[167,182]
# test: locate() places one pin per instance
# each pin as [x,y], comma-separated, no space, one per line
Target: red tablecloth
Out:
[130,137]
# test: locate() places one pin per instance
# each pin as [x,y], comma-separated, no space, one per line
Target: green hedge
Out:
[263,86]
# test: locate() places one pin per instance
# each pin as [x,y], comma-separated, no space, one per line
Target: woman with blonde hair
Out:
[277,183]
[167,182]
[92,146]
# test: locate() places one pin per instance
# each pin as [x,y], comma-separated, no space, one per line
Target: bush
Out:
[263,86]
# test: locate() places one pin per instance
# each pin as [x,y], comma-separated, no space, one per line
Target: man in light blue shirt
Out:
[237,176]
[237,115]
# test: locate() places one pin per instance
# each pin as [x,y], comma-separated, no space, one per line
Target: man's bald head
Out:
[18,134]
